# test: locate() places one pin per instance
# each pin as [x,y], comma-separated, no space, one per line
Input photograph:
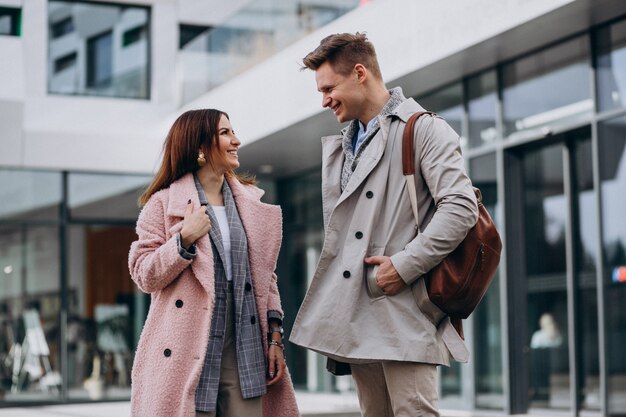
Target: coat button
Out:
[358,235]
[369,194]
[252,320]
[179,303]
[346,274]
[248,286]
[167,353]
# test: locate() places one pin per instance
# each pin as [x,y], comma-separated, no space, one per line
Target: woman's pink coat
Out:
[165,386]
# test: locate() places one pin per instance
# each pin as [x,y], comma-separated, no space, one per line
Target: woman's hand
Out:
[276,363]
[196,224]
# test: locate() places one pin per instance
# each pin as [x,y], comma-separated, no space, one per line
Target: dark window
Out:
[189,33]
[65,62]
[10,21]
[62,27]
[134,35]
[100,60]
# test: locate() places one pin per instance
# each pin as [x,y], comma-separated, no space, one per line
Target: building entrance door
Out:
[556,325]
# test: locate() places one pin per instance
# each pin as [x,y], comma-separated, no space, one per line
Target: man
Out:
[367,305]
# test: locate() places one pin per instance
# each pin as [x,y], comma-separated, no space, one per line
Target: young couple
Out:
[207,247]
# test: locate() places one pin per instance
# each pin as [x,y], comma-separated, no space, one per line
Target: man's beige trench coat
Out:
[339,316]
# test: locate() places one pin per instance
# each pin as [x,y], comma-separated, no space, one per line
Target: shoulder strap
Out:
[408,158]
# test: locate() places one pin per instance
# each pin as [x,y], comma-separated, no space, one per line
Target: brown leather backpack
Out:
[459,282]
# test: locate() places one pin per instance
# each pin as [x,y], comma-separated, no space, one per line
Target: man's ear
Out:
[361,73]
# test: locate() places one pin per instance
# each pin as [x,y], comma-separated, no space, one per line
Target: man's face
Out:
[340,93]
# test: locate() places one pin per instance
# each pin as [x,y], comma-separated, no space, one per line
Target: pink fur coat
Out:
[173,343]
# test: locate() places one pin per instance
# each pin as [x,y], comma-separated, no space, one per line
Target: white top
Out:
[222,220]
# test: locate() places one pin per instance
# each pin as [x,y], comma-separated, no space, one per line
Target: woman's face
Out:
[225,156]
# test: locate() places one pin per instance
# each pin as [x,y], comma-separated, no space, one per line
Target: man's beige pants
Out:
[230,402]
[396,389]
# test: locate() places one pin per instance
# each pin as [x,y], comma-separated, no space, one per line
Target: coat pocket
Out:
[369,272]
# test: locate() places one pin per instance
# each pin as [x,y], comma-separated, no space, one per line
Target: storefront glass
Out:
[487,321]
[482,103]
[612,140]
[548,89]
[30,306]
[96,302]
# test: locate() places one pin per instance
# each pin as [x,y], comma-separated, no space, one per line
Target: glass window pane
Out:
[106,312]
[481,105]
[612,137]
[545,210]
[488,336]
[104,196]
[261,28]
[108,45]
[30,362]
[611,66]
[448,103]
[29,195]
[548,88]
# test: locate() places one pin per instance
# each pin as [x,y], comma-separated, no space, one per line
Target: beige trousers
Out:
[230,402]
[396,389]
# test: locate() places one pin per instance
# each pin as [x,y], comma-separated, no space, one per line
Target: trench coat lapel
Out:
[370,157]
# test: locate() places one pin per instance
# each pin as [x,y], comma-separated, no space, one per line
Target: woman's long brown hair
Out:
[192,131]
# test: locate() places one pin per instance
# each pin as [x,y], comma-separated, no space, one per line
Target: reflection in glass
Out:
[448,103]
[104,196]
[545,209]
[611,66]
[30,361]
[612,140]
[98,49]
[29,195]
[548,88]
[106,313]
[481,105]
[488,335]
[213,56]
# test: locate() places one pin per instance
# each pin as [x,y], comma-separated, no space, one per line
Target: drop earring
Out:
[201,159]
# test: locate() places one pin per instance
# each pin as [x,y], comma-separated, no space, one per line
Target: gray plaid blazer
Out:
[251,361]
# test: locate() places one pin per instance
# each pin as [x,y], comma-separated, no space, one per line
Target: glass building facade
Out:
[70,316]
[544,138]
[98,49]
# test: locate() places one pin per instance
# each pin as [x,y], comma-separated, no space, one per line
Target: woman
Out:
[206,252]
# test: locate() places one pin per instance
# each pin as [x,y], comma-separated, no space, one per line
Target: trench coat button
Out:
[167,353]
[369,194]
[346,274]
[248,286]
[252,320]
[358,235]
[179,303]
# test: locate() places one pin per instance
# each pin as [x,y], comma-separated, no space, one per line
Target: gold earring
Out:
[201,159]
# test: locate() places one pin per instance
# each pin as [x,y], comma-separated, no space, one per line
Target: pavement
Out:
[310,404]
